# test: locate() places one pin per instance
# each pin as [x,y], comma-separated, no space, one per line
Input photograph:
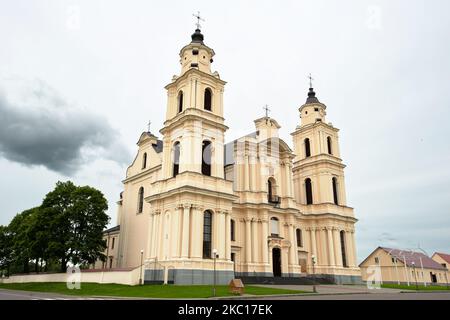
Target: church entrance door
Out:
[276,261]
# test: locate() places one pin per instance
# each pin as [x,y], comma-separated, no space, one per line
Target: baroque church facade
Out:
[252,208]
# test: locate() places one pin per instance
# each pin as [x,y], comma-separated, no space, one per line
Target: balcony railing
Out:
[273,199]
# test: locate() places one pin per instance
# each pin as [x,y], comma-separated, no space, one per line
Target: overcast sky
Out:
[79,80]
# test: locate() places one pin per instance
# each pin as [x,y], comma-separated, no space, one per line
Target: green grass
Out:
[412,286]
[146,291]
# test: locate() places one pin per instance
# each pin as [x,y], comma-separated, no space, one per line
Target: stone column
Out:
[313,244]
[175,232]
[248,240]
[331,260]
[337,247]
[155,233]
[352,236]
[246,174]
[349,248]
[161,236]
[265,232]
[254,240]
[185,233]
[252,173]
[150,235]
[227,236]
[287,180]
[197,232]
[293,246]
[221,236]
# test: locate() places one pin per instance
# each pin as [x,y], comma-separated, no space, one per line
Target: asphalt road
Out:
[371,296]
[29,295]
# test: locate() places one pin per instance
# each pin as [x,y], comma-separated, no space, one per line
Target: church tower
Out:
[319,187]
[191,202]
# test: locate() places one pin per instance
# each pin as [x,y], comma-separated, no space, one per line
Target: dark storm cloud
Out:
[41,128]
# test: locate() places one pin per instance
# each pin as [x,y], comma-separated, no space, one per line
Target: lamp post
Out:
[215,255]
[415,274]
[313,259]
[140,273]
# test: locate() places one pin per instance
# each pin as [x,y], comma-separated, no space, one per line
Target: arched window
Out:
[335,190]
[274,227]
[308,190]
[180,101]
[207,234]
[144,160]
[298,234]
[176,158]
[330,151]
[344,254]
[141,199]
[307,148]
[233,230]
[206,158]
[207,102]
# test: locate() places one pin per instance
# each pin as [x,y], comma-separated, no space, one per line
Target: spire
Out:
[197,36]
[311,94]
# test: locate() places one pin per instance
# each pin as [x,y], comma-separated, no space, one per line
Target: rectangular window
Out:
[112,244]
[377,261]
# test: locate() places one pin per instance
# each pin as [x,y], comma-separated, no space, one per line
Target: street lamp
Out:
[415,274]
[313,258]
[140,273]
[215,255]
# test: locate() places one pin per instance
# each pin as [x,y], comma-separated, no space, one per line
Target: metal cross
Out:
[198,19]
[148,126]
[266,108]
[310,80]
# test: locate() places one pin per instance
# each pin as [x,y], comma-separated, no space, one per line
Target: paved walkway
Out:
[333,289]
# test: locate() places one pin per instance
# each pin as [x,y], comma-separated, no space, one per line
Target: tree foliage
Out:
[67,227]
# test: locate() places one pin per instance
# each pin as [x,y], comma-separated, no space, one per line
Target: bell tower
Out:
[318,168]
[191,201]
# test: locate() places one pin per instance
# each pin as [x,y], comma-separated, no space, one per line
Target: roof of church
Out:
[413,258]
[116,228]
[444,256]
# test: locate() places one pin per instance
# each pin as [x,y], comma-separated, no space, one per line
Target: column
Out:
[293,246]
[228,236]
[337,247]
[246,174]
[313,243]
[185,232]
[175,232]
[160,236]
[349,248]
[287,180]
[265,231]
[221,236]
[254,240]
[352,236]
[331,260]
[248,240]
[197,232]
[291,179]
[155,233]
[253,173]
[150,235]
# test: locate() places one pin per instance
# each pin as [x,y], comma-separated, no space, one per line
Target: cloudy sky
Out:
[79,80]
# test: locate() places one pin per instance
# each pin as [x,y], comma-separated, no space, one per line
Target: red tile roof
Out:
[418,259]
[444,256]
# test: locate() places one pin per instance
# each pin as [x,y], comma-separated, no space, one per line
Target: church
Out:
[197,210]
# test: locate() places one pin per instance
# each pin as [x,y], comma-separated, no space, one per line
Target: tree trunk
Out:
[63,265]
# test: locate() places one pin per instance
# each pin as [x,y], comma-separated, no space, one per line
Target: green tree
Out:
[76,217]
[6,257]
[18,228]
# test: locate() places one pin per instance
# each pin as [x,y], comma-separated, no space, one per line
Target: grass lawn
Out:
[146,291]
[412,286]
